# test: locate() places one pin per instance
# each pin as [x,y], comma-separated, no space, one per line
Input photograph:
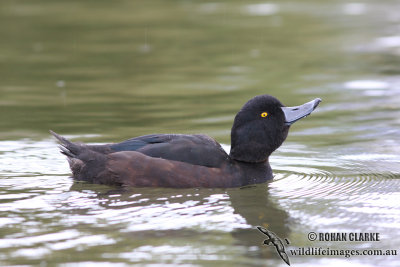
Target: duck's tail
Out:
[68,148]
[86,164]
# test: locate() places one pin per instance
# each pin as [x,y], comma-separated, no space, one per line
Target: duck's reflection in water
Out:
[200,218]
[253,203]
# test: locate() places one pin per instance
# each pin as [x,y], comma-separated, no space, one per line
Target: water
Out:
[100,72]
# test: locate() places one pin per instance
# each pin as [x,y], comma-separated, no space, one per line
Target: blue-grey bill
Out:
[293,114]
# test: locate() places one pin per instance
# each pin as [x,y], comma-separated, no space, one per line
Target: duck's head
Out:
[262,125]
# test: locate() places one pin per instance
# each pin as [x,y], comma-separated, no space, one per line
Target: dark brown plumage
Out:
[173,160]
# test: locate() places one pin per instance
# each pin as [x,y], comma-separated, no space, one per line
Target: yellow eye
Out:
[264,114]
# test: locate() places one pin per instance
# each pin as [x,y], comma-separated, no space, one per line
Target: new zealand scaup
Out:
[176,160]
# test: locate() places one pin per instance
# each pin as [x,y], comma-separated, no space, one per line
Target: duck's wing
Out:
[199,150]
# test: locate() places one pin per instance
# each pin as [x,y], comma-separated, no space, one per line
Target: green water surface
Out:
[103,71]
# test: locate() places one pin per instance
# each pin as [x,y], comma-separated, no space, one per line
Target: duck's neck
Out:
[254,148]
[250,152]
[253,173]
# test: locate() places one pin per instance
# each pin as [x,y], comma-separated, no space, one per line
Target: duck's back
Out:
[193,149]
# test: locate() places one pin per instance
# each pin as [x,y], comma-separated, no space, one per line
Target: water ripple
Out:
[354,191]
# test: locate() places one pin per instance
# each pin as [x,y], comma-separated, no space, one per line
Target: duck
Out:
[191,161]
